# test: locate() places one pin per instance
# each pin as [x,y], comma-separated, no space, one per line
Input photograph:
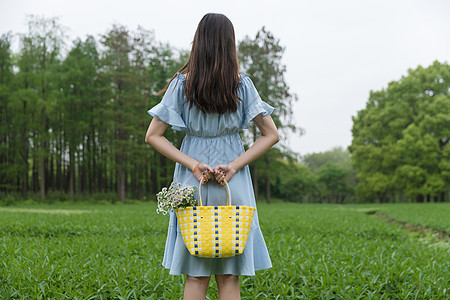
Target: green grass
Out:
[318,252]
[432,215]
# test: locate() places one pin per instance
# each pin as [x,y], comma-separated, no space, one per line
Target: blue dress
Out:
[213,139]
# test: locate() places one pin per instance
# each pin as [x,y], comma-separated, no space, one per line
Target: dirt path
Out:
[422,230]
[43,211]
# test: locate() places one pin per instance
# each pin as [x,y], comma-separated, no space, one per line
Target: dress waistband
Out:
[212,137]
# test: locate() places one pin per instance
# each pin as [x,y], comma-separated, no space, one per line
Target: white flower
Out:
[175,197]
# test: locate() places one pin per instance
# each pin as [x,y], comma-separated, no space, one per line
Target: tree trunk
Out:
[42,177]
[96,186]
[35,166]
[154,176]
[147,180]
[25,172]
[419,198]
[104,174]
[66,177]
[125,179]
[80,174]
[88,161]
[25,151]
[51,173]
[111,175]
[120,178]
[140,178]
[163,171]
[255,182]
[267,189]
[267,161]
[133,176]
[59,165]
[71,173]
[42,157]
[102,181]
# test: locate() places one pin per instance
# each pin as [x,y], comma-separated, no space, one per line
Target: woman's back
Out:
[175,111]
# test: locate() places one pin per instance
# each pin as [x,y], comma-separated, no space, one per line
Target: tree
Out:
[47,38]
[164,62]
[74,122]
[118,86]
[295,182]
[8,173]
[35,96]
[401,139]
[333,182]
[337,155]
[77,115]
[261,58]
[333,165]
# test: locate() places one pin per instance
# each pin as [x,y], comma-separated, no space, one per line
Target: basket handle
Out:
[200,194]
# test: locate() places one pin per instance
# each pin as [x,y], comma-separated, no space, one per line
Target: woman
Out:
[209,100]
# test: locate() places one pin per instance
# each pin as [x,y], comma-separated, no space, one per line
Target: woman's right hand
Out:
[204,173]
[224,173]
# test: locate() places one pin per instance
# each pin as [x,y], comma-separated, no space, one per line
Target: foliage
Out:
[335,175]
[400,141]
[261,58]
[115,251]
[296,183]
[337,156]
[75,123]
[333,182]
[320,177]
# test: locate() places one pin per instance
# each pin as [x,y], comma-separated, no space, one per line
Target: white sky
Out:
[336,51]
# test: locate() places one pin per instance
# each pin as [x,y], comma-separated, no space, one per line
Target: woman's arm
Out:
[155,138]
[269,137]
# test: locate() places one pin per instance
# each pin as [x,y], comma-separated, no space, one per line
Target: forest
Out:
[73,117]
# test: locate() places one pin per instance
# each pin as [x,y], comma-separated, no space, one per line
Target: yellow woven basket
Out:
[215,231]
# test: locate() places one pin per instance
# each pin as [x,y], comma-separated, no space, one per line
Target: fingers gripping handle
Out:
[200,194]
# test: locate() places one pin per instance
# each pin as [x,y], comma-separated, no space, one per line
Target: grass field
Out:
[432,215]
[318,252]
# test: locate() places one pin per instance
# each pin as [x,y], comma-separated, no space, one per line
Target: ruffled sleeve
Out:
[169,110]
[253,104]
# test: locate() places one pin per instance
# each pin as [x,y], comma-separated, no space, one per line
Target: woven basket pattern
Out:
[215,231]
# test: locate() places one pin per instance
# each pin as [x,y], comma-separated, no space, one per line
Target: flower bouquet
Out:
[175,197]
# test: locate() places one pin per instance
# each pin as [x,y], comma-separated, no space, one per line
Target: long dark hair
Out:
[212,68]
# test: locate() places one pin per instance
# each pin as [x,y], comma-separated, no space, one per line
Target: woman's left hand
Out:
[224,173]
[204,173]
